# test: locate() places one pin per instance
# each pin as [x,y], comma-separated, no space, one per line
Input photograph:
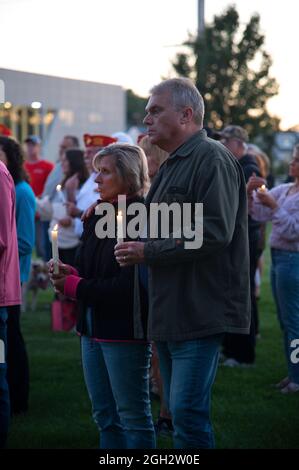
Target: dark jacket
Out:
[106,287]
[249,166]
[195,293]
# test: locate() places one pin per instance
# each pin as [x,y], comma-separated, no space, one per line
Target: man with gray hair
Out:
[195,295]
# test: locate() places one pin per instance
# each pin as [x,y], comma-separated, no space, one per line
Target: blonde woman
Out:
[115,365]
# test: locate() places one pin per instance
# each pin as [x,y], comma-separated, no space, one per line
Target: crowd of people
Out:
[149,305]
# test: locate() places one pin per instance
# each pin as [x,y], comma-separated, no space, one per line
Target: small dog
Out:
[39,279]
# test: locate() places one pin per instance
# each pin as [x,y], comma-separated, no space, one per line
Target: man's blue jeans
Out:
[188,370]
[117,380]
[285,288]
[4,393]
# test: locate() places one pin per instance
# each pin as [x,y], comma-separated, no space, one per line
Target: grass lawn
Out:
[247,411]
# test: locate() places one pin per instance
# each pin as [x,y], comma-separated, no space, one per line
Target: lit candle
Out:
[262,189]
[55,255]
[60,193]
[120,227]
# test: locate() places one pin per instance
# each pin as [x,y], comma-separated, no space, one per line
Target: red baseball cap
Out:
[5,130]
[98,140]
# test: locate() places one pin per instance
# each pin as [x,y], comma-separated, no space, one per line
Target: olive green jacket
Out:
[194,293]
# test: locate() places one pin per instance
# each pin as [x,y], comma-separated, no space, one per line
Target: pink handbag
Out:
[63,315]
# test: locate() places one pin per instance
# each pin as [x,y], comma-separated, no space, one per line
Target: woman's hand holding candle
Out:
[58,280]
[120,227]
[267,200]
[262,189]
[255,182]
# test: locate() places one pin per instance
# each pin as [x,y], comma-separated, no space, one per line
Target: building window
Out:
[25,120]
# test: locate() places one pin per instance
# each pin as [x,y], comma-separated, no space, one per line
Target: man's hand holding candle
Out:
[89,212]
[129,253]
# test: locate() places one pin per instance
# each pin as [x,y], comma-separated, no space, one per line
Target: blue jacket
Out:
[25,213]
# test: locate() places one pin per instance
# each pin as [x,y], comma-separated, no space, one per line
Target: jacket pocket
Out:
[176,194]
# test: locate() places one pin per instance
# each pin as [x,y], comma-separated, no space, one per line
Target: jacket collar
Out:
[189,145]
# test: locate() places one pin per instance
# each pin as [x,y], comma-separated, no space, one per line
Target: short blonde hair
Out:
[151,149]
[130,163]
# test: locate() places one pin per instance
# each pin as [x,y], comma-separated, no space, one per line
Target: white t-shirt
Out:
[86,196]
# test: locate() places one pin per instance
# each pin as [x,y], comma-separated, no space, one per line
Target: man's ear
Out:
[186,115]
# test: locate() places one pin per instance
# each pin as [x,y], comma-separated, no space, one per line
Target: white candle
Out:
[120,227]
[55,254]
[60,193]
[262,189]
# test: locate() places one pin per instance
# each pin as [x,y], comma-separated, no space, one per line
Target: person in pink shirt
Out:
[280,205]
[10,286]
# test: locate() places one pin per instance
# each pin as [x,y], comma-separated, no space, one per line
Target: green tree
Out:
[231,69]
[135,109]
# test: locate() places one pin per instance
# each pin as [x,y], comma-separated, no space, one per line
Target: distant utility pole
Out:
[200,17]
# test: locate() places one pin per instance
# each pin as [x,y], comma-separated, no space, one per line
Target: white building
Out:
[52,107]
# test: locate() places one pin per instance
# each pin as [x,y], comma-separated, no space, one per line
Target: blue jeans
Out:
[285,288]
[4,393]
[188,371]
[117,380]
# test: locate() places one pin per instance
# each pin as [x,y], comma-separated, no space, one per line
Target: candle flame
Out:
[263,187]
[119,214]
[58,187]
[55,228]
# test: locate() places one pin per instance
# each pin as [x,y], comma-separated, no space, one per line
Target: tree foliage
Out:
[135,109]
[231,68]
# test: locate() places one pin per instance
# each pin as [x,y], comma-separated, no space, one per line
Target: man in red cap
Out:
[38,170]
[88,194]
[93,144]
[5,130]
